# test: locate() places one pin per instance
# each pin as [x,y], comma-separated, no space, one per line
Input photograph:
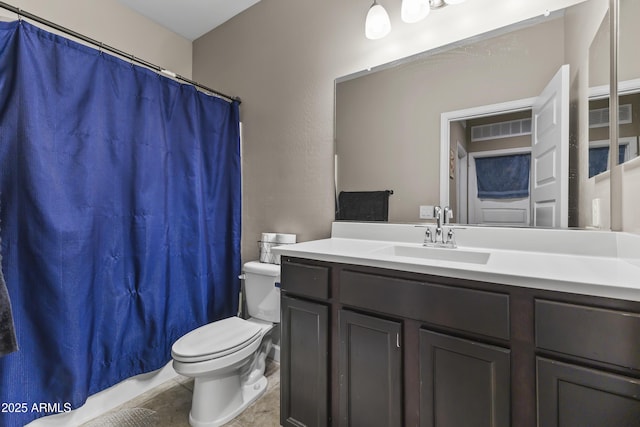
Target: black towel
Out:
[8,342]
[363,205]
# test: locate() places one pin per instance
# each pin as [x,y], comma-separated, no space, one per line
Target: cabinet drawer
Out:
[597,334]
[480,312]
[305,280]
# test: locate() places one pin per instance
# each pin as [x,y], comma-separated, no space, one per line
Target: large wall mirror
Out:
[459,125]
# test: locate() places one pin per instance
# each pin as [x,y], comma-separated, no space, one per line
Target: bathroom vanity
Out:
[514,327]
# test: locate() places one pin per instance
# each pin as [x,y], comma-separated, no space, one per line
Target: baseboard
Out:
[109,399]
[274,353]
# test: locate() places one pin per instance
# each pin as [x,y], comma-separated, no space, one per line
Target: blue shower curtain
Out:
[120,194]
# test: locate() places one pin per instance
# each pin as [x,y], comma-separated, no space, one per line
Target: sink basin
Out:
[440,254]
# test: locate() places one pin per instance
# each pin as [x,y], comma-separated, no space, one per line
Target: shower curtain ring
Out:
[19,12]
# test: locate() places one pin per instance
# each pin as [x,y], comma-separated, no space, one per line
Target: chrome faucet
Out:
[437,213]
[442,235]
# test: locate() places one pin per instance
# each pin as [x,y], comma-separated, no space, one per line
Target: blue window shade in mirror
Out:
[599,159]
[503,177]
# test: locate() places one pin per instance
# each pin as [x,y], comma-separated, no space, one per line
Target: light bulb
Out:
[377,24]
[414,10]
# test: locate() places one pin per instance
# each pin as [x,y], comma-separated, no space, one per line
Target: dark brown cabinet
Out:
[370,371]
[463,382]
[365,346]
[570,395]
[304,363]
[574,394]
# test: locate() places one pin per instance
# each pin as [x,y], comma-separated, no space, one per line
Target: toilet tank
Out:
[262,290]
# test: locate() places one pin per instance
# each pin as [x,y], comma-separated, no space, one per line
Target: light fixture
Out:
[414,10]
[377,24]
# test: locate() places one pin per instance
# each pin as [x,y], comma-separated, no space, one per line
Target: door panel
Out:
[550,154]
[463,383]
[570,395]
[305,368]
[370,371]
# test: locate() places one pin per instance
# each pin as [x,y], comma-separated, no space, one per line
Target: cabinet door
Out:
[463,383]
[304,363]
[570,395]
[370,371]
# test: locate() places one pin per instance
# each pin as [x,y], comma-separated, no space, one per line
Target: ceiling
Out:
[189,18]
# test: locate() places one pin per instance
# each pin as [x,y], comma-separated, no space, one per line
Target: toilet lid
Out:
[215,340]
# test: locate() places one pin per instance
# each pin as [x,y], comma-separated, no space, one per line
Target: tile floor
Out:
[168,406]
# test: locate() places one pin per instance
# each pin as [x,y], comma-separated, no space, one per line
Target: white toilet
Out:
[227,357]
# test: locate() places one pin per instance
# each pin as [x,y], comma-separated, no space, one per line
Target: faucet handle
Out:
[427,237]
[451,239]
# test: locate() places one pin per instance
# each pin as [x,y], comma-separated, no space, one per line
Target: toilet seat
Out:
[216,340]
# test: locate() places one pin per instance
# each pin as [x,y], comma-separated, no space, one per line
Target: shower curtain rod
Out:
[21,13]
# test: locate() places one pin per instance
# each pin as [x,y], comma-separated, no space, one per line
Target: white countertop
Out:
[598,263]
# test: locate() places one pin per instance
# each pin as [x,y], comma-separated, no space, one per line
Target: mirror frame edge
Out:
[615,177]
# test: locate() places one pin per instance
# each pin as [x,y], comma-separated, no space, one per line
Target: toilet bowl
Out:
[227,358]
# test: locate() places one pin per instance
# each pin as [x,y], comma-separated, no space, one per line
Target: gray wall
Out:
[111,23]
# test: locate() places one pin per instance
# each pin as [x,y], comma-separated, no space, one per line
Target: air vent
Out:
[501,130]
[624,114]
[599,118]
